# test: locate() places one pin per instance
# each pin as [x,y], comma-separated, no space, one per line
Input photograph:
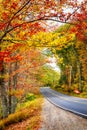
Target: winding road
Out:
[69,103]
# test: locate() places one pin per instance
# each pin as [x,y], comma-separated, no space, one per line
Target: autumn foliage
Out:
[22,23]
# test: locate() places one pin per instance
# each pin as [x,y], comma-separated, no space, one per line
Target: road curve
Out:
[69,103]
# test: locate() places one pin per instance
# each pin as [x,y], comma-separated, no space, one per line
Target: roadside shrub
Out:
[14,118]
[30,97]
[34,90]
[2,125]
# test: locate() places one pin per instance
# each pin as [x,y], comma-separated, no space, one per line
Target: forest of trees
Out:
[24,33]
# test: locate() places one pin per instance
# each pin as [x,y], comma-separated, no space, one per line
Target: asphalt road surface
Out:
[69,103]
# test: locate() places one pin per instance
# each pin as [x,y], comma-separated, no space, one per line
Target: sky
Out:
[53,64]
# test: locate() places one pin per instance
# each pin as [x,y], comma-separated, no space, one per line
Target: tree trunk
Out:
[14,99]
[80,77]
[10,88]
[79,67]
[4,100]
[70,78]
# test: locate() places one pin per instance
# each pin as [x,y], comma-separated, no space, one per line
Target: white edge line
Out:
[78,113]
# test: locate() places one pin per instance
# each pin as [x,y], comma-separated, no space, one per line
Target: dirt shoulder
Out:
[54,118]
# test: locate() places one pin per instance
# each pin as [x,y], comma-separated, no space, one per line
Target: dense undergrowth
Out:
[29,109]
[72,93]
